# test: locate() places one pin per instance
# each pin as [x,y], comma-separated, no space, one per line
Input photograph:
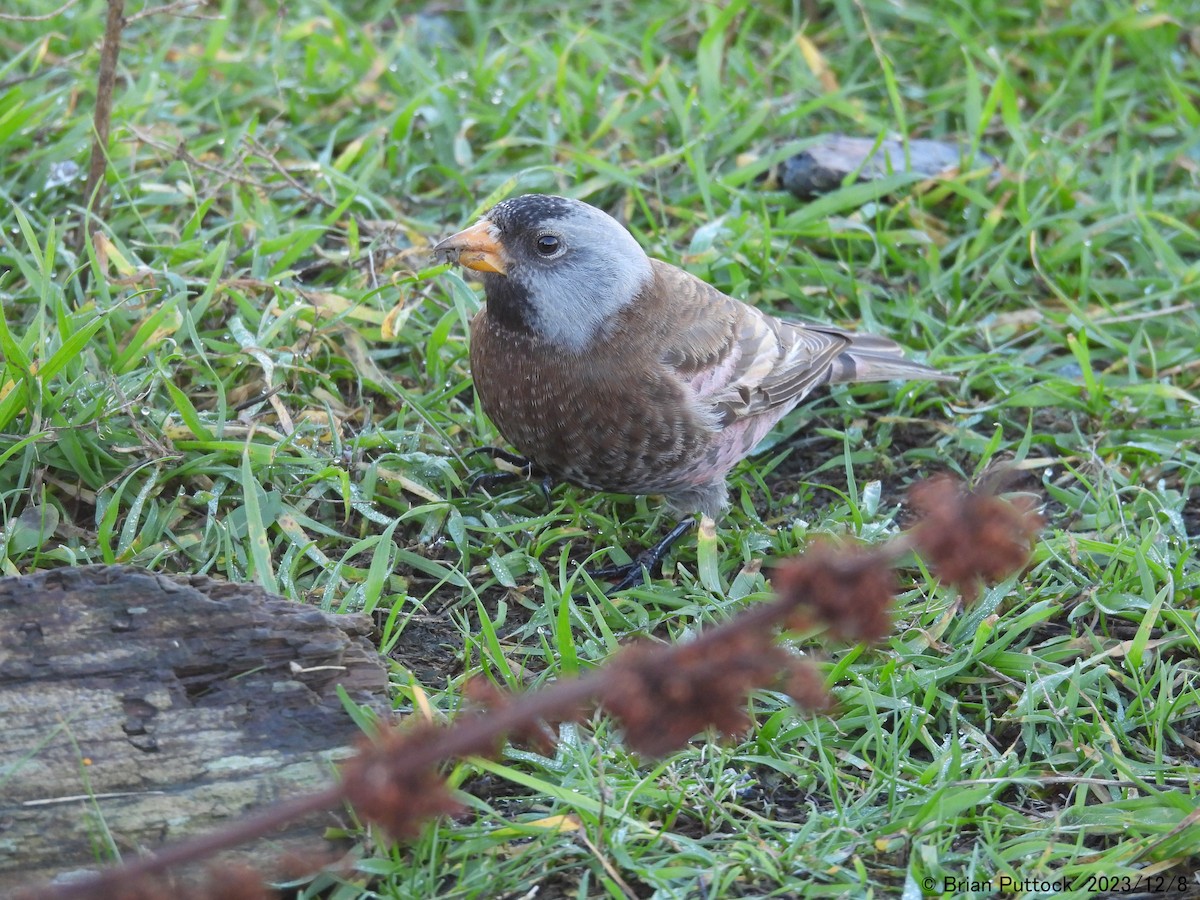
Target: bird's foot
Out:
[513,459]
[632,573]
[485,481]
[525,471]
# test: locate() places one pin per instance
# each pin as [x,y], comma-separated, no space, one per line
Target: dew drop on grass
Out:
[62,173]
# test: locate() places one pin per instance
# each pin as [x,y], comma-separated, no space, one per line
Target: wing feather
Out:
[742,361]
[747,363]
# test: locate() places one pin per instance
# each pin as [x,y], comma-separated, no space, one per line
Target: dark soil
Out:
[430,646]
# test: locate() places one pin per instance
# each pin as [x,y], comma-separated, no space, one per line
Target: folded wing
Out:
[747,363]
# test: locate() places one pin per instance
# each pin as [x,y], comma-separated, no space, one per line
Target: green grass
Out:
[1051,732]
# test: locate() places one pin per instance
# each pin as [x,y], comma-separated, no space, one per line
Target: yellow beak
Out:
[473,248]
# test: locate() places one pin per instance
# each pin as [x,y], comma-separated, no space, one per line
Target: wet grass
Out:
[256,371]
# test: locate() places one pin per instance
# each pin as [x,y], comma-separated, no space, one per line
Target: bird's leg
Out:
[526,470]
[487,480]
[513,459]
[632,572]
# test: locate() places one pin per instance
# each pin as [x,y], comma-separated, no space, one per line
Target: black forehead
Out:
[530,211]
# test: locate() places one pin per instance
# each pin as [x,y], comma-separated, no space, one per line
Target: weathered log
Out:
[137,709]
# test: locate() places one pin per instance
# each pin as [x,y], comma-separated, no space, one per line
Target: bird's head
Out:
[554,266]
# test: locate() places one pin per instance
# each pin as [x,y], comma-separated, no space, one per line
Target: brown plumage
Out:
[620,373]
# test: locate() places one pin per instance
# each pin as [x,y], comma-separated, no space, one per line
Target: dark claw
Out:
[632,573]
[489,480]
[509,457]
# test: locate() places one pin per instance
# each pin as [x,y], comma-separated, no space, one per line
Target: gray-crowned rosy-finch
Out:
[618,372]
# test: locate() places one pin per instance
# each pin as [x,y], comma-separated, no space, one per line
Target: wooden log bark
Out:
[137,709]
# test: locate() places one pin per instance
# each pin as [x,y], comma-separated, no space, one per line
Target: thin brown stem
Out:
[10,17]
[167,9]
[661,695]
[461,739]
[240,832]
[109,52]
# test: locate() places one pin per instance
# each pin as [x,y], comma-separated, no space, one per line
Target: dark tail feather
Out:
[873,358]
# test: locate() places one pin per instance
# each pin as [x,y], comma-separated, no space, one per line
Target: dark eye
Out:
[547,244]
